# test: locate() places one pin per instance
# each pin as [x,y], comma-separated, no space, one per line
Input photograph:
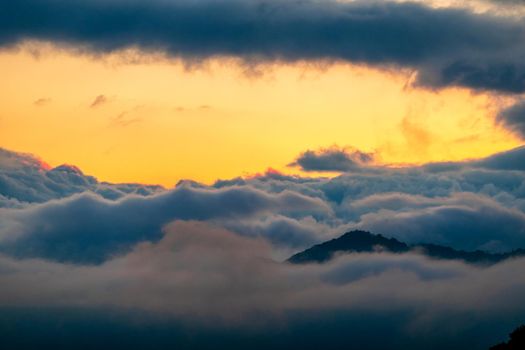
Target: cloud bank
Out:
[446,46]
[25,179]
[200,259]
[211,278]
[69,217]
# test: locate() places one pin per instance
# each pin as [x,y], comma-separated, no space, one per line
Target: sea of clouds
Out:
[211,257]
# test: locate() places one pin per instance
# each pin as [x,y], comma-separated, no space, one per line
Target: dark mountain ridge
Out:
[365,242]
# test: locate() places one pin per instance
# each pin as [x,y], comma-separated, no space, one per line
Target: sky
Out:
[130,114]
[159,122]
[161,160]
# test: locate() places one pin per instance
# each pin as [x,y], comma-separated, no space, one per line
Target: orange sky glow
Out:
[129,117]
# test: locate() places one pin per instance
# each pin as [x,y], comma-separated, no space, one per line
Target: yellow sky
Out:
[162,122]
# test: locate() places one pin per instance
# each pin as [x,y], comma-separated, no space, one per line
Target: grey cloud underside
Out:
[468,205]
[88,229]
[513,118]
[448,47]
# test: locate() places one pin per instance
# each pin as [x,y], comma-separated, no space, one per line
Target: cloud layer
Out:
[447,46]
[210,278]
[25,179]
[470,205]
[210,258]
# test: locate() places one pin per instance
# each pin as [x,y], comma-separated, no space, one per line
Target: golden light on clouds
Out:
[157,121]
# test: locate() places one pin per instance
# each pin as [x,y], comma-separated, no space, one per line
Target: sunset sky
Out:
[262,174]
[130,115]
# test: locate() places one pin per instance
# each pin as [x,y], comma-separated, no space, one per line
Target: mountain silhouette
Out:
[366,242]
[516,341]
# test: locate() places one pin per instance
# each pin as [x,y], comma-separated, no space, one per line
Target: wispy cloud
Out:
[99,101]
[42,101]
[123,119]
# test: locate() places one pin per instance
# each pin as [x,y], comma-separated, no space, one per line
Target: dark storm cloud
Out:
[446,46]
[332,159]
[513,118]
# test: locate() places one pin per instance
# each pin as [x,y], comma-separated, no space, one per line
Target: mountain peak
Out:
[353,241]
[358,241]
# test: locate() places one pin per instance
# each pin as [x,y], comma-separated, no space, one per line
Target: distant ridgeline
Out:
[516,340]
[366,242]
